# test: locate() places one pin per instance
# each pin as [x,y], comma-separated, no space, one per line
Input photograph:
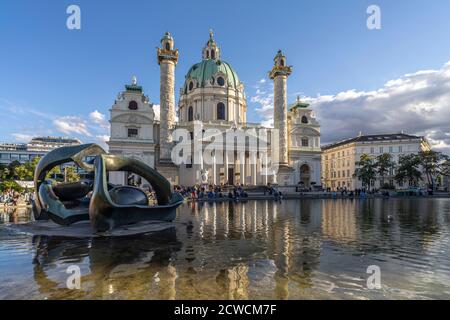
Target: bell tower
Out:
[211,51]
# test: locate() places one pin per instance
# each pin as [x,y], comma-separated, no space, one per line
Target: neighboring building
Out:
[133,128]
[304,147]
[213,97]
[338,159]
[37,147]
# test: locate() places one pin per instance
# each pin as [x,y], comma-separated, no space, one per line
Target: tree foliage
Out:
[434,164]
[70,174]
[366,170]
[383,165]
[408,169]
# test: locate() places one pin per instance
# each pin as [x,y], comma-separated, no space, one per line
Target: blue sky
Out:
[48,72]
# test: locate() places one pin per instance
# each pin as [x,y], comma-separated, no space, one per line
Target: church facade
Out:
[212,107]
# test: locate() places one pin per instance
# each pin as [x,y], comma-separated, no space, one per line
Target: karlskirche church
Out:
[213,98]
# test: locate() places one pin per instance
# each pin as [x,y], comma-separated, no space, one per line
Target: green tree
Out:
[24,172]
[12,174]
[11,184]
[383,165]
[365,170]
[4,172]
[408,169]
[70,174]
[434,164]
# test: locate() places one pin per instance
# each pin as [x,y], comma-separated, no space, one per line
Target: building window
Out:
[220,111]
[190,114]
[304,119]
[400,149]
[167,46]
[191,86]
[132,133]
[372,150]
[282,62]
[213,54]
[391,149]
[220,81]
[381,150]
[132,105]
[305,142]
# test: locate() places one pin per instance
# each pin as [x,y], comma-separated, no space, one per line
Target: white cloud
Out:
[21,137]
[99,118]
[418,103]
[102,141]
[72,125]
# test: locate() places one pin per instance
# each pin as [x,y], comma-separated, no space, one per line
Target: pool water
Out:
[296,249]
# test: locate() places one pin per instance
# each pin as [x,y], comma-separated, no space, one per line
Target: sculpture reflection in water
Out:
[105,205]
[144,262]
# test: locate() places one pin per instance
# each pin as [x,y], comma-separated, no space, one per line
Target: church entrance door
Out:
[305,176]
[231,176]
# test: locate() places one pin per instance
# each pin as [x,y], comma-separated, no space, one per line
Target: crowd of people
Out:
[211,192]
[13,198]
[235,192]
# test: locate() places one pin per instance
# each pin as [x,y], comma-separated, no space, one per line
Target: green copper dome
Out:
[298,105]
[207,70]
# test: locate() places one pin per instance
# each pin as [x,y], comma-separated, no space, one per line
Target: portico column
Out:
[242,163]
[266,171]
[255,165]
[201,163]
[226,166]
[214,169]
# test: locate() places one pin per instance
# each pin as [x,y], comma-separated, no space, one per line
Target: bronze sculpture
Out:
[105,205]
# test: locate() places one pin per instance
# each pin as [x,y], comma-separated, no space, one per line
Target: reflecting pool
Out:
[298,249]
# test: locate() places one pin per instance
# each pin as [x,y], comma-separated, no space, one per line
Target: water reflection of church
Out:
[258,250]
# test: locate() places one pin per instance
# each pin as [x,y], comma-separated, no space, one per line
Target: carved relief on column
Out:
[167,59]
[279,73]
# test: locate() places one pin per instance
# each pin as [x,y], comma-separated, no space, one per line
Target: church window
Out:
[305,142]
[304,119]
[167,46]
[132,133]
[220,111]
[282,62]
[133,105]
[213,54]
[207,54]
[220,81]
[191,114]
[191,86]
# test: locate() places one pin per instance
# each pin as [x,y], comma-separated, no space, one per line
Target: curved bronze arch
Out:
[67,203]
[106,215]
[160,184]
[59,156]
